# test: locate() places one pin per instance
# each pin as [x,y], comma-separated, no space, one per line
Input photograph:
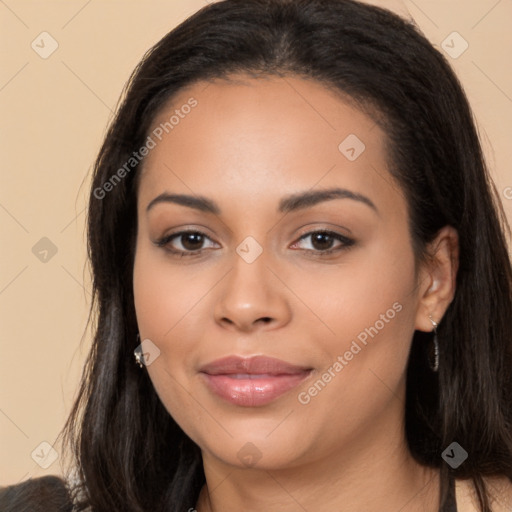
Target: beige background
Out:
[54,114]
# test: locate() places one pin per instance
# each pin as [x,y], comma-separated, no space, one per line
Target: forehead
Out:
[260,136]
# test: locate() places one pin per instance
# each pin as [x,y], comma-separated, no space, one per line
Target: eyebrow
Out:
[291,203]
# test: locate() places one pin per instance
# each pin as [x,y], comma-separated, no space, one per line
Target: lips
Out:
[251,365]
[253,381]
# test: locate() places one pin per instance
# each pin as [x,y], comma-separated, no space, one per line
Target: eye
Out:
[324,242]
[191,242]
[185,243]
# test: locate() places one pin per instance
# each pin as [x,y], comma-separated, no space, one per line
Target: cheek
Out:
[161,304]
[164,305]
[172,309]
[164,294]
[370,305]
[371,286]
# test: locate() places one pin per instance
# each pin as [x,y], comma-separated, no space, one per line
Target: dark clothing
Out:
[43,494]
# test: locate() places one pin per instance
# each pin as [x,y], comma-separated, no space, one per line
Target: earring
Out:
[434,350]
[138,353]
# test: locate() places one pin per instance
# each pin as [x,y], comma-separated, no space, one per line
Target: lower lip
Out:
[253,392]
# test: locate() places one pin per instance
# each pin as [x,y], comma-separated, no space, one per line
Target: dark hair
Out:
[44,494]
[131,454]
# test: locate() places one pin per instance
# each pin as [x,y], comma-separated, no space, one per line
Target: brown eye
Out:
[192,241]
[185,243]
[322,241]
[325,242]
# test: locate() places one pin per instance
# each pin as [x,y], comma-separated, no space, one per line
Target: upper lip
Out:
[251,365]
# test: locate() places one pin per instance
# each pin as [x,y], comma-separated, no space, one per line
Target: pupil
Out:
[318,238]
[193,238]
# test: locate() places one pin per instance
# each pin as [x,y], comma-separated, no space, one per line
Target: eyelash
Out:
[345,241]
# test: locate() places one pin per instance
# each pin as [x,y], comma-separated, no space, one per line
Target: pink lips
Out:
[253,381]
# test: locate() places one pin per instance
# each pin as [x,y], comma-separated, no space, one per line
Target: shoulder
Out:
[44,494]
[499,489]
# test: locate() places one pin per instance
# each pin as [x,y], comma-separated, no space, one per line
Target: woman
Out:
[301,274]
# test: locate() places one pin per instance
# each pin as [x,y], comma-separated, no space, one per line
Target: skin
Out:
[246,145]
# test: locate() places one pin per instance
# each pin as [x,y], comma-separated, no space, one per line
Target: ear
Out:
[437,278]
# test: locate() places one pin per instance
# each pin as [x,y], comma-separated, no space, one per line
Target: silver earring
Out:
[138,353]
[434,351]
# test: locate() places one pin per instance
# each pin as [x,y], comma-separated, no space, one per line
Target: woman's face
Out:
[253,279]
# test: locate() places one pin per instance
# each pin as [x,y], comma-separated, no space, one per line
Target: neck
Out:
[373,472]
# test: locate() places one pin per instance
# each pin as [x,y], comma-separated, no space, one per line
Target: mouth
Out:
[254,381]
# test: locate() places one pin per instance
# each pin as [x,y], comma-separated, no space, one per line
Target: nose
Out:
[252,298]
